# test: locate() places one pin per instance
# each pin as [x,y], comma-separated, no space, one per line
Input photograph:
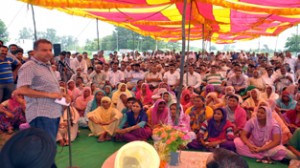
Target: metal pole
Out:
[276,43]
[188,47]
[297,37]
[203,40]
[181,63]
[69,135]
[259,44]
[98,39]
[34,24]
[117,40]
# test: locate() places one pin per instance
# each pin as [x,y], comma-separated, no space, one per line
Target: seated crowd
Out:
[244,102]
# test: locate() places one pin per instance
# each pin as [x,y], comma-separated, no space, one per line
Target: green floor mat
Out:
[88,153]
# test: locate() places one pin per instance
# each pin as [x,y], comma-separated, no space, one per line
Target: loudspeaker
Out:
[57,49]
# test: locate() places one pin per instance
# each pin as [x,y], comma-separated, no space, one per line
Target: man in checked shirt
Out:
[37,82]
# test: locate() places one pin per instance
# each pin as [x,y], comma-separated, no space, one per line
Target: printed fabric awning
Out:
[224,21]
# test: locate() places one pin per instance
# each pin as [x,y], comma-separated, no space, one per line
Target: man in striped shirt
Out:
[7,75]
[213,77]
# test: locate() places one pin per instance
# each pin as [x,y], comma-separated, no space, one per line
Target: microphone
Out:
[66,66]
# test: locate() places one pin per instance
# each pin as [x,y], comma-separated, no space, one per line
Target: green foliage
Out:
[3,32]
[49,34]
[122,38]
[292,43]
[26,33]
[91,45]
[67,42]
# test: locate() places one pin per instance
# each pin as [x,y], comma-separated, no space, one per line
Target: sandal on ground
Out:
[258,160]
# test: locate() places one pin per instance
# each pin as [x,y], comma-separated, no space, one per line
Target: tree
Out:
[26,33]
[68,43]
[50,35]
[292,43]
[91,45]
[3,32]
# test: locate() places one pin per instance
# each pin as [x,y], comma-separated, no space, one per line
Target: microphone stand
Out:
[69,136]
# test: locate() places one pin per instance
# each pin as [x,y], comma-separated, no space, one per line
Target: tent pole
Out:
[34,24]
[181,63]
[98,39]
[259,44]
[202,40]
[276,43]
[117,40]
[188,47]
[297,37]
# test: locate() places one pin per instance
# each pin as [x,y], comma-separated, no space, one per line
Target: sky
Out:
[17,15]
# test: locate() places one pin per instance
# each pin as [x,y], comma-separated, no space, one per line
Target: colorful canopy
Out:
[224,21]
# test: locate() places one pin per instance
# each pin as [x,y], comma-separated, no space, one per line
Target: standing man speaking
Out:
[38,83]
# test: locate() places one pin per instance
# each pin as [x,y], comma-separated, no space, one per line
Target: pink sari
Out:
[146,96]
[159,118]
[81,101]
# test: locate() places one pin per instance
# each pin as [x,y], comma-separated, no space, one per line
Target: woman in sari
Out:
[261,138]
[104,120]
[168,98]
[285,102]
[286,133]
[208,88]
[121,104]
[183,121]
[252,102]
[73,91]
[62,135]
[82,101]
[158,114]
[217,132]
[162,86]
[133,125]
[292,117]
[145,94]
[235,113]
[198,114]
[269,93]
[12,113]
[294,145]
[138,86]
[122,88]
[186,97]
[93,88]
[93,104]
[108,91]
[213,101]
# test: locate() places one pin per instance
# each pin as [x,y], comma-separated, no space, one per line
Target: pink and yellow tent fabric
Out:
[225,21]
